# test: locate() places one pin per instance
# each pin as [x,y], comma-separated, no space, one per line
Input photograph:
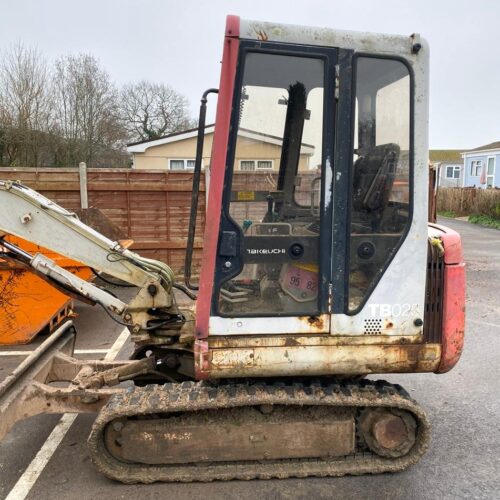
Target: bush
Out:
[447,213]
[497,210]
[467,201]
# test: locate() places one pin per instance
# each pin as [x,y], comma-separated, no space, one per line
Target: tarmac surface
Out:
[463,407]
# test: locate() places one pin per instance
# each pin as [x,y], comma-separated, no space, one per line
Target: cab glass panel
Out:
[276,187]
[381,175]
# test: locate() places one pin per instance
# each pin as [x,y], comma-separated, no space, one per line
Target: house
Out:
[449,166]
[480,166]
[177,151]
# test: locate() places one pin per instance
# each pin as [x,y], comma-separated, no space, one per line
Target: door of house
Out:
[490,172]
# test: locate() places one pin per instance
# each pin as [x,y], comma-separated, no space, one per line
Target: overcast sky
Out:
[180,43]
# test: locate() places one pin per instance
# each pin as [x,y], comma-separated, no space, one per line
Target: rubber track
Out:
[192,396]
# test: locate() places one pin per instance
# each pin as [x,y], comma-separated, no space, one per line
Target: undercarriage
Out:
[218,430]
[195,431]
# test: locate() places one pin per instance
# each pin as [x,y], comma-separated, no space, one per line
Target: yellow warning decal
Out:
[307,267]
[246,195]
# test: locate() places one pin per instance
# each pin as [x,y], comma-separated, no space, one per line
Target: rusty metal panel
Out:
[323,360]
[288,340]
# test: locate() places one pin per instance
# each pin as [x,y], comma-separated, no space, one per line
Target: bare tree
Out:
[72,112]
[25,106]
[88,118]
[150,110]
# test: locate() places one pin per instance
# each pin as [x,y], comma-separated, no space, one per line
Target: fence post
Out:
[207,184]
[84,199]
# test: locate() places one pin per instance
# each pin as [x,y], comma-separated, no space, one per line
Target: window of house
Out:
[247,165]
[453,172]
[256,165]
[264,165]
[475,167]
[181,164]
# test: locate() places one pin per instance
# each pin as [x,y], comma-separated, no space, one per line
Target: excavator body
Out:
[316,260]
[319,267]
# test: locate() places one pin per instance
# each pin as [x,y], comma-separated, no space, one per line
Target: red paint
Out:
[452,244]
[452,335]
[453,316]
[218,163]
[233,26]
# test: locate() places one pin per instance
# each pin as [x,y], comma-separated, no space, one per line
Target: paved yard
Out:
[463,406]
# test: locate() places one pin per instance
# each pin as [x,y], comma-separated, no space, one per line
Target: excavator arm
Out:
[151,315]
[39,220]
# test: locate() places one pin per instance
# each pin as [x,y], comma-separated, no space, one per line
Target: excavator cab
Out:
[318,229]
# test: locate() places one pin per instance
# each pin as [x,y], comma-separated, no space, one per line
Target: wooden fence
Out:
[149,206]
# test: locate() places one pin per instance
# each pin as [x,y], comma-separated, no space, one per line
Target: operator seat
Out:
[373,179]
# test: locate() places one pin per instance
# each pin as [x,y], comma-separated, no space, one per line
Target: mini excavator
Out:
[319,268]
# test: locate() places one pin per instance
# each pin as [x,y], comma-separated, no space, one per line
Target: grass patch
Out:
[447,213]
[485,220]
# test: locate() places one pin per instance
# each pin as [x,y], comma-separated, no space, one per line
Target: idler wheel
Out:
[388,433]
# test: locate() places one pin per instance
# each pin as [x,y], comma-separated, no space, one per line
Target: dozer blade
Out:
[50,380]
[195,431]
[17,398]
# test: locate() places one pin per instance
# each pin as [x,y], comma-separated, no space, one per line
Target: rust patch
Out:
[390,431]
[262,35]
[316,322]
[304,339]
[294,360]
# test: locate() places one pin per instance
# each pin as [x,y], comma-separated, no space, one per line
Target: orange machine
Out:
[28,303]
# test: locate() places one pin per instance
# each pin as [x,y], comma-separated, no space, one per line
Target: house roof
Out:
[173,134]
[445,155]
[141,146]
[486,147]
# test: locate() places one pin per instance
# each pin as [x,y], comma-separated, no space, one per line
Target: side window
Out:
[380,203]
[276,186]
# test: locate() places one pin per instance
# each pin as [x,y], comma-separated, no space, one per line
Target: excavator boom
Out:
[39,220]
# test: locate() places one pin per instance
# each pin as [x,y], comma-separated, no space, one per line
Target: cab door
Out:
[380,242]
[273,260]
